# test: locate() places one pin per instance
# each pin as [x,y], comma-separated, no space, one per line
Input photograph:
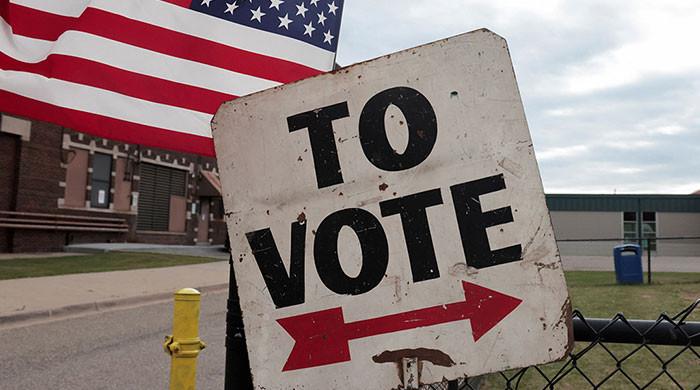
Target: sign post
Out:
[389,218]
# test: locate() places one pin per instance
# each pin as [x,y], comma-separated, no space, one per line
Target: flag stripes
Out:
[81,71]
[42,25]
[106,127]
[144,71]
[134,59]
[90,99]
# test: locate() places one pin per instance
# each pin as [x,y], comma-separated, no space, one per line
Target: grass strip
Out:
[596,295]
[99,262]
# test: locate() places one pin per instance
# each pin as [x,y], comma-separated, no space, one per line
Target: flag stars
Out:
[284,22]
[257,14]
[311,14]
[309,29]
[328,38]
[332,8]
[230,7]
[276,4]
[301,10]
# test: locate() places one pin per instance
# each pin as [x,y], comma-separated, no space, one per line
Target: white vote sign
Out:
[390,210]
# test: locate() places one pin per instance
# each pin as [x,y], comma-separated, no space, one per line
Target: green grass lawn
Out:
[596,295]
[100,262]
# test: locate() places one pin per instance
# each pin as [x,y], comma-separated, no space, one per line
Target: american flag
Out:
[154,72]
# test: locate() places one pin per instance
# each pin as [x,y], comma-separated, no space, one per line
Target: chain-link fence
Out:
[616,354]
[655,251]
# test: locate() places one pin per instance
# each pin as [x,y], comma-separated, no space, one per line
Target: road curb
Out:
[94,307]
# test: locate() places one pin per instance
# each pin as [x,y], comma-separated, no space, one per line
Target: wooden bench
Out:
[61,222]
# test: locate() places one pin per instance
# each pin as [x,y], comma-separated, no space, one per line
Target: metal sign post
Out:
[388,223]
[237,364]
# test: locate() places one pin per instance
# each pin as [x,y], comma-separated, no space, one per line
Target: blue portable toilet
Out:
[628,264]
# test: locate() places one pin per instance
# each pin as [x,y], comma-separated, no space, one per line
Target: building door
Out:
[161,204]
[9,167]
[203,224]
[8,161]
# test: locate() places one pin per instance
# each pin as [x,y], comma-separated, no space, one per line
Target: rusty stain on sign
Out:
[433,356]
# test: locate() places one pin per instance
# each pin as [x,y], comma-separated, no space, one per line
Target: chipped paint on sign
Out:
[392,211]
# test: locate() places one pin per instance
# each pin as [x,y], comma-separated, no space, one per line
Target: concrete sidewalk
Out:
[29,300]
[213,251]
[39,299]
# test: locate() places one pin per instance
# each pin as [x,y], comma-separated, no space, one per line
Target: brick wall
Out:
[38,191]
[40,164]
[40,170]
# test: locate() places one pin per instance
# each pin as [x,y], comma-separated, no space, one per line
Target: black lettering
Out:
[321,136]
[285,289]
[473,223]
[420,120]
[416,231]
[375,251]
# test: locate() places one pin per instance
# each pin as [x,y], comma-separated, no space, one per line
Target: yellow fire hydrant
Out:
[184,344]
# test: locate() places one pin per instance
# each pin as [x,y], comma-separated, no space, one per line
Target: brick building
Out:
[60,187]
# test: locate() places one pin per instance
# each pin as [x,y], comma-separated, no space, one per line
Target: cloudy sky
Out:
[611,88]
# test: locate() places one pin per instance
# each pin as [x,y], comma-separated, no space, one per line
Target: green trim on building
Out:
[656,203]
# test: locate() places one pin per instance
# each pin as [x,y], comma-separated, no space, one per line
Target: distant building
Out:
[582,222]
[60,187]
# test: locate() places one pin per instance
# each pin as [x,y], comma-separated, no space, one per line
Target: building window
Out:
[648,228]
[101,180]
[162,203]
[629,226]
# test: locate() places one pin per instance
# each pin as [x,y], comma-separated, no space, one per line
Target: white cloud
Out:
[686,188]
[626,170]
[669,130]
[663,43]
[629,144]
[611,89]
[568,111]
[562,152]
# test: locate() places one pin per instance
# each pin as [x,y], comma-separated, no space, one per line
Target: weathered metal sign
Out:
[390,210]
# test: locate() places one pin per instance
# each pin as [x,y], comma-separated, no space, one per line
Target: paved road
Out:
[112,350]
[121,349]
[605,263]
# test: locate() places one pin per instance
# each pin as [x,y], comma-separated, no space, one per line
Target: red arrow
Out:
[322,337]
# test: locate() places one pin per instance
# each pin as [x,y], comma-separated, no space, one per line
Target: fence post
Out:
[409,368]
[184,344]
[649,261]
